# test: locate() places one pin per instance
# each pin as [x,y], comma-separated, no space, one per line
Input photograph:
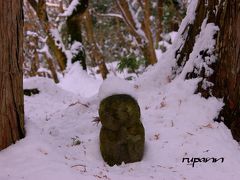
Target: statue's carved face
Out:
[119,110]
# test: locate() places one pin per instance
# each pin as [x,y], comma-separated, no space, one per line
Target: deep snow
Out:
[62,141]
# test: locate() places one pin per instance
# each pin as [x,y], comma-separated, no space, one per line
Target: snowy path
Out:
[178,125]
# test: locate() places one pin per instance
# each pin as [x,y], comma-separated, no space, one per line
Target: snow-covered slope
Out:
[62,141]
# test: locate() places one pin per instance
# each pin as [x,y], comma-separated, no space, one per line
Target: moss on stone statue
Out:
[122,133]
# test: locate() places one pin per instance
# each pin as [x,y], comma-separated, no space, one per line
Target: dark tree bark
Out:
[192,30]
[226,77]
[11,79]
[75,31]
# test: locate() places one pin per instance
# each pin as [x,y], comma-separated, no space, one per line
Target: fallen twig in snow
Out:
[78,102]
[80,166]
[96,120]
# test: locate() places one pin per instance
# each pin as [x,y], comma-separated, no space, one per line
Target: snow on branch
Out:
[57,38]
[130,18]
[203,55]
[111,15]
[138,25]
[52,5]
[71,8]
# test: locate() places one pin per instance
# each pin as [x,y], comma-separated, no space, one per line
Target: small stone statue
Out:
[122,133]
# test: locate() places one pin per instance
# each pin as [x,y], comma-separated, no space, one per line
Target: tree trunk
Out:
[11,74]
[192,30]
[148,48]
[226,77]
[95,53]
[40,9]
[75,31]
[57,52]
[159,22]
[51,67]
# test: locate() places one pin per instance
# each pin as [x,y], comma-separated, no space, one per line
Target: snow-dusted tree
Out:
[209,47]
[137,16]
[11,75]
[77,15]
[53,44]
[35,59]
[74,14]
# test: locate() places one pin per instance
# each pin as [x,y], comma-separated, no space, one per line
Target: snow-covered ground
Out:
[62,142]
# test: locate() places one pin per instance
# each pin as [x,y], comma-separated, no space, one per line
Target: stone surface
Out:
[122,134]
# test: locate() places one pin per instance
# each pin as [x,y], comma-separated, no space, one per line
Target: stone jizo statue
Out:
[122,134]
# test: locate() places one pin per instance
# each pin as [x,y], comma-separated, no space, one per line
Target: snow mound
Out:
[79,82]
[114,85]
